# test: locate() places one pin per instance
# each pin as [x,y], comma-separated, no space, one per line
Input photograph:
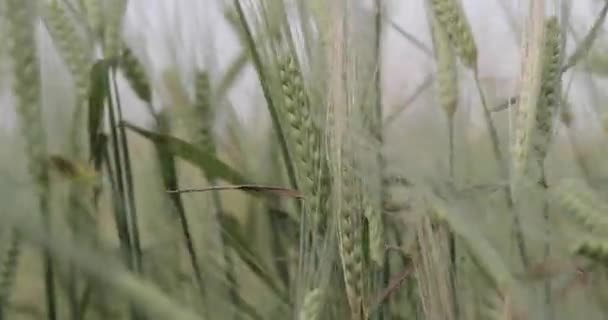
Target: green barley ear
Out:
[313,303]
[136,75]
[376,233]
[8,270]
[582,203]
[550,90]
[94,14]
[447,77]
[301,132]
[26,86]
[593,249]
[23,51]
[203,112]
[75,52]
[350,240]
[451,16]
[531,77]
[112,28]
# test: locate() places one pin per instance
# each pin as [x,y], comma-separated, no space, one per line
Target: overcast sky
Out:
[157,27]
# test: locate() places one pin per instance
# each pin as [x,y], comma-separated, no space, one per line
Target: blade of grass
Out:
[128,177]
[206,161]
[102,93]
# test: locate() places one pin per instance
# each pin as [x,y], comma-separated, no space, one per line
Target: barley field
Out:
[303,159]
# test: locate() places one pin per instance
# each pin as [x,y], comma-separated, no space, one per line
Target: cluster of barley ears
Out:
[314,207]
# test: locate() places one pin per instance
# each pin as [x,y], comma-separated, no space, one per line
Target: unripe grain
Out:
[549,97]
[447,78]
[451,16]
[135,74]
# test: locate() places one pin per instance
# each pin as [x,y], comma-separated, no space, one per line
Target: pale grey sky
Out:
[160,28]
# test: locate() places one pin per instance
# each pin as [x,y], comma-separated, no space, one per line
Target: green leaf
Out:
[211,165]
[98,94]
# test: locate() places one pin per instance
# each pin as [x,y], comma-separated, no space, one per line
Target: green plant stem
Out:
[518,232]
[130,192]
[120,207]
[49,270]
[451,237]
[550,310]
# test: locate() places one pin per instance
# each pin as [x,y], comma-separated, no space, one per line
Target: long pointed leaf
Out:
[211,165]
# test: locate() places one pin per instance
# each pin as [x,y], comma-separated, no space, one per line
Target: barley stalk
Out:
[447,82]
[204,138]
[531,78]
[550,94]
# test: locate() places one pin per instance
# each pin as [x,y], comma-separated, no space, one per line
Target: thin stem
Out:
[451,237]
[229,272]
[130,193]
[119,201]
[518,232]
[411,38]
[451,146]
[428,80]
[547,285]
[49,278]
[378,132]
